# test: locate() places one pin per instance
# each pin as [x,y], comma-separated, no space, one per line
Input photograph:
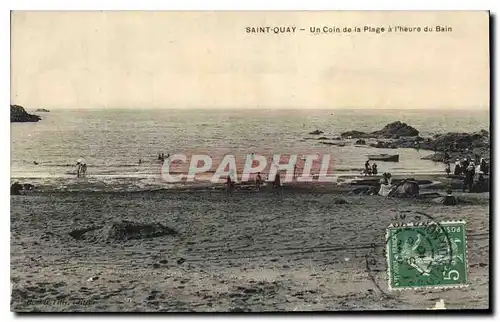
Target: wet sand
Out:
[252,251]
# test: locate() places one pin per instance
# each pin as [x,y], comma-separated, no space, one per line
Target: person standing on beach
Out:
[468,179]
[447,169]
[229,186]
[277,184]
[84,169]
[367,168]
[258,181]
[458,168]
[374,169]
[78,169]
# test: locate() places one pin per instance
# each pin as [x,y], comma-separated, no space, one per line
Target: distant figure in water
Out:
[140,161]
[81,169]
[35,163]
[159,156]
[374,169]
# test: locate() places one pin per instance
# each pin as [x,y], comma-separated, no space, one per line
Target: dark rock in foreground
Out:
[121,231]
[19,114]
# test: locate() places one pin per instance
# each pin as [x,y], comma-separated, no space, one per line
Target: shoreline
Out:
[344,184]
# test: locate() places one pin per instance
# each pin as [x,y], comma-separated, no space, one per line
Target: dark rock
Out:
[356,135]
[121,231]
[384,145]
[392,130]
[322,138]
[340,201]
[316,132]
[19,114]
[156,265]
[327,143]
[163,261]
[395,130]
[180,261]
[453,142]
[15,188]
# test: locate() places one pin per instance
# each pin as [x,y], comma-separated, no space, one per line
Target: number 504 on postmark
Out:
[421,255]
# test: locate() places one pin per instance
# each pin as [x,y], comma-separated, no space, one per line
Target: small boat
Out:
[384,157]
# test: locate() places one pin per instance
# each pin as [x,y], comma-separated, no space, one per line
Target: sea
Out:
[112,141]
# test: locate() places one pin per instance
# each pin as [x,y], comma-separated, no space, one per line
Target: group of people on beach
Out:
[81,168]
[370,169]
[277,186]
[467,169]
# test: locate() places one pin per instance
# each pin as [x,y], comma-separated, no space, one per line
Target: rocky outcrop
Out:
[393,130]
[458,146]
[316,132]
[356,135]
[42,110]
[396,130]
[16,188]
[19,114]
[384,145]
[457,141]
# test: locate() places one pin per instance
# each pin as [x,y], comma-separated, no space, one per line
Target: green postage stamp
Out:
[427,255]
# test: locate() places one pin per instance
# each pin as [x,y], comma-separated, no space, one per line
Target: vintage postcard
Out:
[255,161]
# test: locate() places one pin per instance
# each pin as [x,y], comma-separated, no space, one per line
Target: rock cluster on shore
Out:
[401,135]
[42,110]
[19,114]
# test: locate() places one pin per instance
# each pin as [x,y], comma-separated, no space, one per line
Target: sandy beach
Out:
[252,251]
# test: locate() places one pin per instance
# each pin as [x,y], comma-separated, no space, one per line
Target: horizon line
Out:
[479,108]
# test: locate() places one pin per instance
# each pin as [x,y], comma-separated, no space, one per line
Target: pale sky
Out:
[206,59]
